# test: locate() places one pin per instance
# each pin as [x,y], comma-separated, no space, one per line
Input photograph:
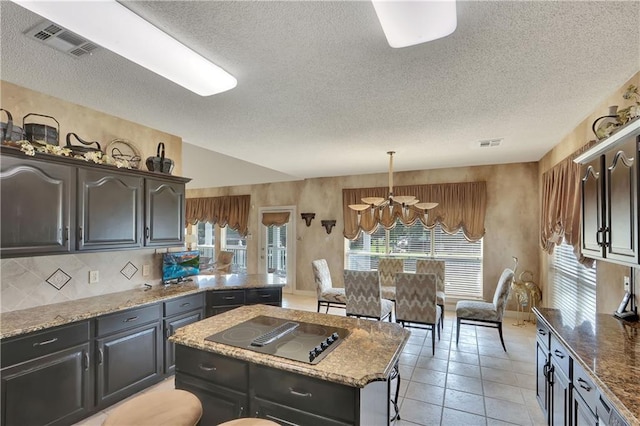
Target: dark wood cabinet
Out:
[129,353]
[609,191]
[225,300]
[164,213]
[37,200]
[560,396]
[178,313]
[46,377]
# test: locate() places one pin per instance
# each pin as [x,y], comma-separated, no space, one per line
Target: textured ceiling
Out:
[320,93]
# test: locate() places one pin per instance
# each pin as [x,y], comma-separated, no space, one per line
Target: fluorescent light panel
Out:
[116,28]
[407,23]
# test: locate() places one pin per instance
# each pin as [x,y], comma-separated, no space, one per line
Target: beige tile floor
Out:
[473,383]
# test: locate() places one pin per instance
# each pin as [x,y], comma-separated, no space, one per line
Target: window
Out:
[236,243]
[463,259]
[573,287]
[206,239]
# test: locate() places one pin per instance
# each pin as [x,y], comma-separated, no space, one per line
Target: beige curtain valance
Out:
[275,218]
[560,213]
[460,206]
[230,210]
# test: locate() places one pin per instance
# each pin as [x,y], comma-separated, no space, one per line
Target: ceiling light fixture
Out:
[376,204]
[406,23]
[111,25]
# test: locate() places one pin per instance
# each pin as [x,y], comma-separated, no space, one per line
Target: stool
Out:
[159,408]
[249,421]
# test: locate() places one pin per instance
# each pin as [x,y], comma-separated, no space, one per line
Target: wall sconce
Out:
[328,225]
[308,217]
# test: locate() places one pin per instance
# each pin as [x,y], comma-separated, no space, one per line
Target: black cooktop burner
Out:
[299,341]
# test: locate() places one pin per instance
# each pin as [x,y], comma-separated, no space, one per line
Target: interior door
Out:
[277,245]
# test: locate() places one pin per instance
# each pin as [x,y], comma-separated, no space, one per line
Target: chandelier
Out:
[376,204]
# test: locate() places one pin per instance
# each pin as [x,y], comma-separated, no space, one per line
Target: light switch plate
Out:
[94,277]
[145,270]
[626,284]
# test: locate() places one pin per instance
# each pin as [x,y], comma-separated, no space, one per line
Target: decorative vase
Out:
[605,125]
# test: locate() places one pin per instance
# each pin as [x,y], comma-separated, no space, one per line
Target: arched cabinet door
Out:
[591,189]
[622,202]
[36,207]
[109,210]
[164,213]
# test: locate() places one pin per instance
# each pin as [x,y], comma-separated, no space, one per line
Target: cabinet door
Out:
[51,390]
[542,383]
[36,207]
[591,188]
[170,327]
[581,414]
[127,362]
[109,210]
[219,404]
[164,213]
[621,198]
[560,397]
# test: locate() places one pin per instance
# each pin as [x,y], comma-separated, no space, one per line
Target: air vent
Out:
[489,143]
[61,39]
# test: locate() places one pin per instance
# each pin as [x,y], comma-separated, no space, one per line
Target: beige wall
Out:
[89,124]
[511,221]
[609,276]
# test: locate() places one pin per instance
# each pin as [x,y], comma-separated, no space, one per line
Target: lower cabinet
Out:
[581,413]
[560,396]
[222,301]
[285,415]
[178,313]
[543,365]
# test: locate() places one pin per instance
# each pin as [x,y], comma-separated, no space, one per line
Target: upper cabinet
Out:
[609,190]
[53,204]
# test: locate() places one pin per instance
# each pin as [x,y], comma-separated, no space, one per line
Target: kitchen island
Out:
[350,386]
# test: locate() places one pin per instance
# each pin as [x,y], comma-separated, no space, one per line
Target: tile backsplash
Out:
[27,282]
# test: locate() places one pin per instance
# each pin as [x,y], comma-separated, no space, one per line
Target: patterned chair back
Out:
[502,292]
[322,276]
[363,293]
[387,270]
[429,266]
[416,297]
[224,261]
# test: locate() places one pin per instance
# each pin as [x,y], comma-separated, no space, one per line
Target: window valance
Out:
[275,218]
[460,206]
[230,210]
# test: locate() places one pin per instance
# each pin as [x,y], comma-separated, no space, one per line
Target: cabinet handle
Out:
[559,354]
[86,361]
[146,232]
[550,377]
[584,385]
[229,298]
[185,304]
[130,319]
[545,370]
[241,411]
[542,332]
[46,342]
[294,392]
[280,421]
[607,239]
[264,296]
[168,333]
[205,368]
[599,237]
[100,356]
[66,234]
[80,233]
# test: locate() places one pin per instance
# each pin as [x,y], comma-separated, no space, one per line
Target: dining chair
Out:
[431,266]
[387,269]
[416,303]
[364,296]
[328,295]
[486,314]
[224,261]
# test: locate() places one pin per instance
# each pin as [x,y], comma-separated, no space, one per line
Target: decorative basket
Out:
[9,132]
[159,163]
[81,149]
[38,133]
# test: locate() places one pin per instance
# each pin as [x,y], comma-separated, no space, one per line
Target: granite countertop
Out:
[25,321]
[609,350]
[367,354]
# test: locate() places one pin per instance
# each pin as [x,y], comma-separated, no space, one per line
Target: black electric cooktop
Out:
[299,341]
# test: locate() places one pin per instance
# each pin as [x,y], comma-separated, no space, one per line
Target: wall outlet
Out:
[94,277]
[626,284]
[161,250]
[146,269]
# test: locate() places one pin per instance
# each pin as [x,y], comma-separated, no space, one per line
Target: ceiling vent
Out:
[61,39]
[489,143]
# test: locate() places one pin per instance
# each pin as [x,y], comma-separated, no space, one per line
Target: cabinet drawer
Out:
[229,297]
[127,319]
[183,304]
[560,354]
[583,384]
[304,393]
[290,416]
[263,295]
[41,343]
[543,333]
[212,367]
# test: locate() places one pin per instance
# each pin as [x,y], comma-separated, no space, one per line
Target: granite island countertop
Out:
[608,349]
[367,354]
[24,321]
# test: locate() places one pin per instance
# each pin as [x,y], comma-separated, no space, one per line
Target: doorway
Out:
[278,243]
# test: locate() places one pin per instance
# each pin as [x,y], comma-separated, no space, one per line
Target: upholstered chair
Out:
[224,262]
[486,314]
[430,266]
[416,302]
[387,270]
[327,295]
[364,296]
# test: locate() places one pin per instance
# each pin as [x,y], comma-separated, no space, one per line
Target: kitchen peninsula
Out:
[350,386]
